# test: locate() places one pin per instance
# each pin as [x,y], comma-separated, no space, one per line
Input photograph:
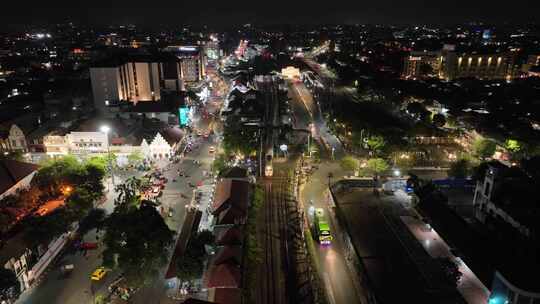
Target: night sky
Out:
[219,13]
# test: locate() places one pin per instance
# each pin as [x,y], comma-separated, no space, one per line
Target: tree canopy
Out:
[484,148]
[190,266]
[460,168]
[349,163]
[137,241]
[376,143]
[377,165]
[439,120]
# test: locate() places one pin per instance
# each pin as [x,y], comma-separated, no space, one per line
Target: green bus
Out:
[322,228]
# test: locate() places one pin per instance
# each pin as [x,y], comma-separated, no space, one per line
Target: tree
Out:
[128,193]
[80,201]
[9,285]
[439,120]
[56,173]
[376,143]
[94,219]
[513,145]
[460,168]
[484,148]
[450,270]
[376,166]
[190,266]
[219,164]
[28,198]
[349,163]
[43,229]
[137,240]
[415,108]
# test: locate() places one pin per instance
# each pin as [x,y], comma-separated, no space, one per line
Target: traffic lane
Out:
[158,289]
[75,287]
[340,287]
[301,115]
[320,129]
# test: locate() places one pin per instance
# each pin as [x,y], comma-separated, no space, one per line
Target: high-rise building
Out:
[450,64]
[134,79]
[421,64]
[192,61]
[482,66]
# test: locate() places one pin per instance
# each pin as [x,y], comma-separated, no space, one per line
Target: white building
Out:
[87,142]
[164,145]
[134,79]
[13,140]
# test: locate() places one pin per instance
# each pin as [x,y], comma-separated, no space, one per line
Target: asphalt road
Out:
[77,288]
[333,270]
[302,96]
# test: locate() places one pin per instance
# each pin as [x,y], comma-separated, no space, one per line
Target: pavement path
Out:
[469,286]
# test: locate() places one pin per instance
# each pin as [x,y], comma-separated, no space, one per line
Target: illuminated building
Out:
[192,62]
[482,66]
[421,64]
[134,79]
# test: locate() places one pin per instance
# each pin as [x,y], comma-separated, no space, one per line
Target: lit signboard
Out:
[183,115]
[188,48]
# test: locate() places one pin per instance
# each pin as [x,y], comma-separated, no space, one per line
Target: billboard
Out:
[183,116]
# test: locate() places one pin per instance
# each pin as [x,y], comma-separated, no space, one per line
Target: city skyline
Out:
[282,12]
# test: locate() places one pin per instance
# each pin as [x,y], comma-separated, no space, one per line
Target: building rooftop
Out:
[115,60]
[12,172]
[226,295]
[228,254]
[229,236]
[224,275]
[392,258]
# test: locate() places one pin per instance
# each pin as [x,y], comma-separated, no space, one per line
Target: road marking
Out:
[329,288]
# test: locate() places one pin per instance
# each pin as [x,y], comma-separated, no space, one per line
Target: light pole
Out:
[106,130]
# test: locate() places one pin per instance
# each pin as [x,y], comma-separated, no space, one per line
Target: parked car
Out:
[89,245]
[98,274]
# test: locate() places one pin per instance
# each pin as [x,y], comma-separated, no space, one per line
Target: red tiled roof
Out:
[172,135]
[229,236]
[12,172]
[231,193]
[222,193]
[228,254]
[227,295]
[231,216]
[224,275]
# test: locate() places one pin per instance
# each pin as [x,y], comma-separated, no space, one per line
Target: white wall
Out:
[87,142]
[22,184]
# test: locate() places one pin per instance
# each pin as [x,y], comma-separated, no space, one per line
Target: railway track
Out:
[273,269]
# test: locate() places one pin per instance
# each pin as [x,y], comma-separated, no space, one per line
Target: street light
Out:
[106,129]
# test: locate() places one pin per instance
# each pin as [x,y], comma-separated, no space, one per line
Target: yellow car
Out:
[98,274]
